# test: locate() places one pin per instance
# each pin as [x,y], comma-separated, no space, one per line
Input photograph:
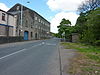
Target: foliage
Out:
[97,42]
[88,24]
[81,23]
[55,35]
[88,5]
[64,28]
[92,33]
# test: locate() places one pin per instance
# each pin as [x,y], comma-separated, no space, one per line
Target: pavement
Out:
[66,56]
[43,57]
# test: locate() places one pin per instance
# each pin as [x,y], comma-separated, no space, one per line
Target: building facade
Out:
[7,24]
[29,23]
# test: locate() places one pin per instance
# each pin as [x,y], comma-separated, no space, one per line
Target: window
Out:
[39,20]
[3,16]
[39,27]
[31,25]
[18,7]
[36,26]
[31,34]
[35,18]
[43,22]
[26,25]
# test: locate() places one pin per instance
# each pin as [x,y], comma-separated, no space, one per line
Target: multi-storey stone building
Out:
[7,24]
[33,25]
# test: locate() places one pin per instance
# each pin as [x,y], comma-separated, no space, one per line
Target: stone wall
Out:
[2,30]
[6,30]
[10,39]
[75,37]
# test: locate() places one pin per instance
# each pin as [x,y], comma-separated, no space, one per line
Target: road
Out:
[34,58]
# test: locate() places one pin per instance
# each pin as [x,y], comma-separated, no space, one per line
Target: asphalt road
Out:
[34,58]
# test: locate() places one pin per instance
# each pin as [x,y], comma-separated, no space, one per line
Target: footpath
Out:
[66,56]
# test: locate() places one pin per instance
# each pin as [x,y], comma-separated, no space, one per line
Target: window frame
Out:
[3,17]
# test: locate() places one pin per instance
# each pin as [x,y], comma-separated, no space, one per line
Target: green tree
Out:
[92,34]
[88,5]
[64,29]
[88,23]
[81,23]
[88,26]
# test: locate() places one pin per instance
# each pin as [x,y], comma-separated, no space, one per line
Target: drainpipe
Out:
[21,16]
[7,28]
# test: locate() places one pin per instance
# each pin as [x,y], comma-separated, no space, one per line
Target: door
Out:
[35,35]
[26,35]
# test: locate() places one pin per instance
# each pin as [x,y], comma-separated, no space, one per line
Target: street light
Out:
[28,1]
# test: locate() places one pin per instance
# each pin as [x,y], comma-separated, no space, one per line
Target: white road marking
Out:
[50,44]
[19,51]
[12,54]
[43,43]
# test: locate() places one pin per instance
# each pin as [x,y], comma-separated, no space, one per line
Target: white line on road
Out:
[48,43]
[18,51]
[12,54]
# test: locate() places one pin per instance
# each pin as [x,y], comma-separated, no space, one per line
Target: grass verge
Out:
[87,62]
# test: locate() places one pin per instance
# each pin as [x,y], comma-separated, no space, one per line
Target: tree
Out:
[65,22]
[92,34]
[63,27]
[88,23]
[81,23]
[88,5]
[89,26]
[85,8]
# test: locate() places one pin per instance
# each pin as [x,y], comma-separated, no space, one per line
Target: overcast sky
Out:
[52,10]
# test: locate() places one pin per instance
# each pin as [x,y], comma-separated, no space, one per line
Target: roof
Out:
[7,12]
[24,8]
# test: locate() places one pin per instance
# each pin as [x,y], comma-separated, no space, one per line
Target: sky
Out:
[52,10]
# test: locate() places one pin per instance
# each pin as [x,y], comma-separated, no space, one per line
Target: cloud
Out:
[66,8]
[58,17]
[65,5]
[3,7]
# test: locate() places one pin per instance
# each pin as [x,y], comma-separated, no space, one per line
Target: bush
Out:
[97,42]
